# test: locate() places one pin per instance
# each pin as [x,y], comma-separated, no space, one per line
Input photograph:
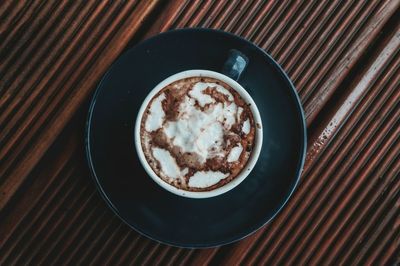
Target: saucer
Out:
[157,213]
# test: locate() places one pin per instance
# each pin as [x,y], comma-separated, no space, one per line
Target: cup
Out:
[233,67]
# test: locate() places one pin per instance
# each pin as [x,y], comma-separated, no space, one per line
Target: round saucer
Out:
[157,213]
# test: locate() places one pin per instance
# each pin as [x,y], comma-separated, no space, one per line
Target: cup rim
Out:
[253,156]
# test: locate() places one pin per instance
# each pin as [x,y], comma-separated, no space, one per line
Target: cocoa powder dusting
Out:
[174,94]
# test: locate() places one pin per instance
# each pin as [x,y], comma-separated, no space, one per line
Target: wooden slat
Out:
[343,58]
[56,107]
[319,173]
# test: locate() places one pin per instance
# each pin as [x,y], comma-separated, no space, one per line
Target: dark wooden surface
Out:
[344,59]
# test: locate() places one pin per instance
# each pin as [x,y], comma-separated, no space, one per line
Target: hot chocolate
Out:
[197,133]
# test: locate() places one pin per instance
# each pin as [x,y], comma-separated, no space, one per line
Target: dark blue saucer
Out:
[159,214]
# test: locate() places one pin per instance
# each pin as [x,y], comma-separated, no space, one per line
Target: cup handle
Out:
[235,64]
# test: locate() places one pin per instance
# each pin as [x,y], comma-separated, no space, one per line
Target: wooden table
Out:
[343,57]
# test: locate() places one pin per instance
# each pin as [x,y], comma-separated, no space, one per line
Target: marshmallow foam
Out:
[156,116]
[192,133]
[169,167]
[206,179]
[199,131]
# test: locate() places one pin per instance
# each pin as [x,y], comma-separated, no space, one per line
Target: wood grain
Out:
[343,57]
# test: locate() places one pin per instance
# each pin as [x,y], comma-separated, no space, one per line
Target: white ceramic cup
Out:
[253,156]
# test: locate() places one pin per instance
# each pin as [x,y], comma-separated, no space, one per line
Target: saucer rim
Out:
[251,229]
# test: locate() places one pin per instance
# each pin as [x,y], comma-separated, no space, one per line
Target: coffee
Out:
[197,133]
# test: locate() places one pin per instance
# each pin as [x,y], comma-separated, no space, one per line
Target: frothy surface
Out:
[155,119]
[197,133]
